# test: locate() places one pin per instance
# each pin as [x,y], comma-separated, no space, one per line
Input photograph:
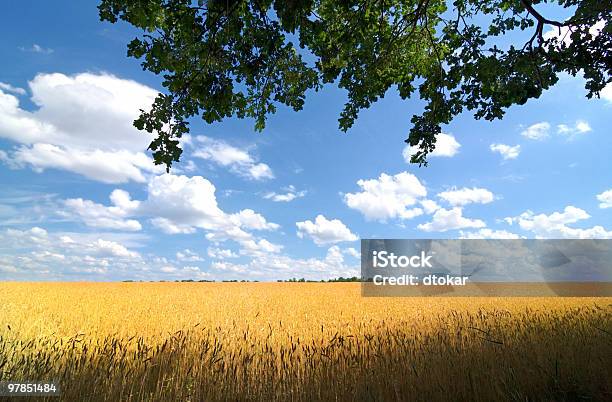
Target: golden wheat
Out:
[290,341]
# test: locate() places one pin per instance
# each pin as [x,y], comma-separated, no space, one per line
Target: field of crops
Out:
[300,342]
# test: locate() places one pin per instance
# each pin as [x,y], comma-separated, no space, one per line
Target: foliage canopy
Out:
[224,58]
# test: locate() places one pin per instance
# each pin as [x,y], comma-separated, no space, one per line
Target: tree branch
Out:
[541,19]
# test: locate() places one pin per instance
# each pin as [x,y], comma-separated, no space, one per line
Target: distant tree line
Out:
[339,279]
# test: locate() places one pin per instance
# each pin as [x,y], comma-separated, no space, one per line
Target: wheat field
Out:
[300,342]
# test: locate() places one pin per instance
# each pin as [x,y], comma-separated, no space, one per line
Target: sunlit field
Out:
[302,342]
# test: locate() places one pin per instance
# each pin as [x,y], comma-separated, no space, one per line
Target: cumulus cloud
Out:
[177,204]
[325,231]
[289,194]
[82,124]
[107,248]
[239,161]
[101,216]
[221,253]
[446,146]
[169,226]
[555,225]
[185,202]
[430,206]
[450,219]
[506,151]
[249,219]
[103,166]
[260,247]
[580,127]
[188,256]
[605,198]
[387,197]
[537,131]
[464,196]
[182,204]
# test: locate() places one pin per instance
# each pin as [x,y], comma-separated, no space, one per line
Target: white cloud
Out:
[220,253]
[555,225]
[580,127]
[169,269]
[290,194]
[39,232]
[185,202]
[464,196]
[324,231]
[100,216]
[232,233]
[260,171]
[191,271]
[9,88]
[178,204]
[506,151]
[352,252]
[8,269]
[66,239]
[36,254]
[538,131]
[103,166]
[509,220]
[82,124]
[606,93]
[169,227]
[486,233]
[334,255]
[446,146]
[47,254]
[35,48]
[188,256]
[450,219]
[108,248]
[606,199]
[249,219]
[186,272]
[121,199]
[387,197]
[228,267]
[237,160]
[430,206]
[276,266]
[259,247]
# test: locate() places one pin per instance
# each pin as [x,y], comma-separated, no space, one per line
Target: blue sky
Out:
[81,199]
